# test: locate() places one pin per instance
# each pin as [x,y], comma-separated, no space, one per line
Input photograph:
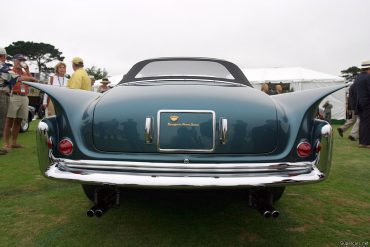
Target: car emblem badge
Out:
[174,118]
[186,161]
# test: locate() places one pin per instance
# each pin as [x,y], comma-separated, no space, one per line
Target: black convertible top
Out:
[234,72]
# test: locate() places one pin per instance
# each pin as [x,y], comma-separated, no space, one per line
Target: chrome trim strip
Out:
[252,166]
[176,170]
[181,168]
[148,130]
[186,111]
[43,152]
[223,130]
[325,154]
[139,82]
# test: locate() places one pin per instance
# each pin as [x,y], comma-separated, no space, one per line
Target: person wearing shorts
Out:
[6,80]
[18,103]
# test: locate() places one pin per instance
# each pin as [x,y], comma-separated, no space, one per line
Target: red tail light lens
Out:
[304,149]
[65,147]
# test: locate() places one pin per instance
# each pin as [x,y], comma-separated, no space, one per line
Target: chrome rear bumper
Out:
[147,174]
[121,179]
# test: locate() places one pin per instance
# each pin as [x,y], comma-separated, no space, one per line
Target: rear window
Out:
[184,68]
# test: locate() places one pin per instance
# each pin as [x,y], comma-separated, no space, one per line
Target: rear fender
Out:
[74,110]
[300,110]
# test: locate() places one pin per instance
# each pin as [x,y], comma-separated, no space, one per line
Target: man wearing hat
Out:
[104,87]
[79,79]
[18,102]
[363,104]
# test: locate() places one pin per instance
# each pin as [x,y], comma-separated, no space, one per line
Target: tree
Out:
[98,73]
[40,52]
[350,73]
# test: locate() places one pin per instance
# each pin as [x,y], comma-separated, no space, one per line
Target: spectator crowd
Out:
[358,106]
[13,93]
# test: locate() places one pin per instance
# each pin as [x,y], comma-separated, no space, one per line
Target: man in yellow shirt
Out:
[79,79]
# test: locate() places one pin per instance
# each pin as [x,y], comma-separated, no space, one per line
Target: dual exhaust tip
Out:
[263,203]
[273,214]
[98,212]
[256,200]
[95,211]
[266,210]
[105,201]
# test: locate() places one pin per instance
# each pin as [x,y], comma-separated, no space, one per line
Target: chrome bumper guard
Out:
[147,174]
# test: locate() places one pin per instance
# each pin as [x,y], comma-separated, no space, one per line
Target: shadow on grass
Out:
[179,218]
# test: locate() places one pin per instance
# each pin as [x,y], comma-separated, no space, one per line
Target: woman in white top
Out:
[58,80]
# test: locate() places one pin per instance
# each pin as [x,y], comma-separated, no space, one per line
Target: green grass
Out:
[35,211]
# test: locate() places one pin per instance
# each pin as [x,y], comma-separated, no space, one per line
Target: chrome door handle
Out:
[148,130]
[223,130]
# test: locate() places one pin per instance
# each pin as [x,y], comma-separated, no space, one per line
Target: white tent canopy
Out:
[302,79]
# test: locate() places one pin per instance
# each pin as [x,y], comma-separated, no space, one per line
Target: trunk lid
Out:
[186,119]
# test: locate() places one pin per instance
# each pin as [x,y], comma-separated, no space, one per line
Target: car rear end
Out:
[173,136]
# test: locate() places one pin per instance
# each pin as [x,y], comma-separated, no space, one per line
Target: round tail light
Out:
[304,149]
[65,147]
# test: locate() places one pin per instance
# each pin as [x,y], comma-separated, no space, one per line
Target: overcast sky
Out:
[326,35]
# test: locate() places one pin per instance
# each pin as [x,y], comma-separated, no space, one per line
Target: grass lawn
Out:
[35,211]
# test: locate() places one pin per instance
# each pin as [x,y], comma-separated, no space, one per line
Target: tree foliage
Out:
[350,73]
[41,53]
[98,73]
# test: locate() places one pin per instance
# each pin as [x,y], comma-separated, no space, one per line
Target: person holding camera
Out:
[7,79]
[18,102]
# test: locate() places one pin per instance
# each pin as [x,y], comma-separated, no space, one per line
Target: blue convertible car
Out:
[185,123]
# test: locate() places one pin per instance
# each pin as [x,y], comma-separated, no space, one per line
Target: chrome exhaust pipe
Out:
[99,212]
[263,210]
[261,202]
[267,214]
[104,204]
[91,211]
[261,207]
[275,214]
